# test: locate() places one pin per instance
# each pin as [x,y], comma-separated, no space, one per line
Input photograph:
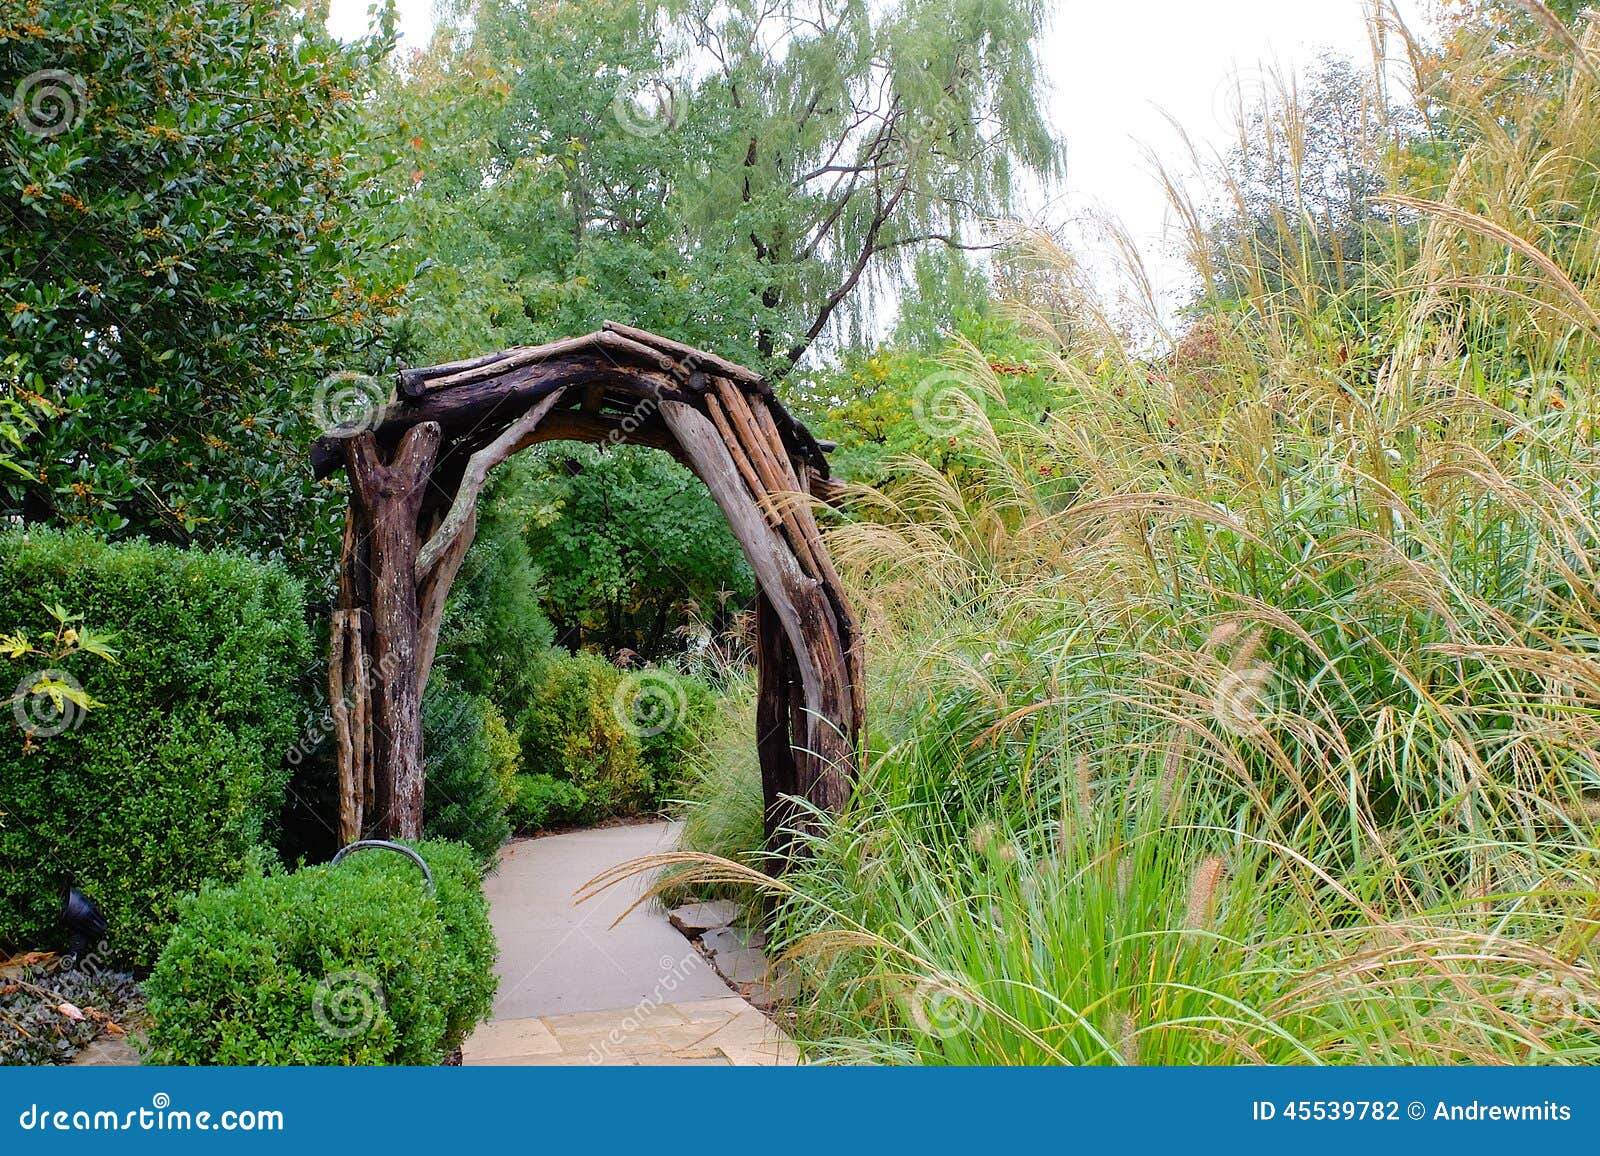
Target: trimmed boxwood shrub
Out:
[178,776]
[622,738]
[349,964]
[571,731]
[669,753]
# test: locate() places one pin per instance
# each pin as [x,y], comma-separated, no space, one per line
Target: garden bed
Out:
[53,1006]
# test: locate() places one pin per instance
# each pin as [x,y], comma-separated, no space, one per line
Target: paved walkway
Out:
[576,990]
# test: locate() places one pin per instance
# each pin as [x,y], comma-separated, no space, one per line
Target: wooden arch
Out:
[417,467]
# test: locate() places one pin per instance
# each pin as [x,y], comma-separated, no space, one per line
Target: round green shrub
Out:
[348,964]
[466,983]
[178,777]
[505,754]
[572,731]
[670,753]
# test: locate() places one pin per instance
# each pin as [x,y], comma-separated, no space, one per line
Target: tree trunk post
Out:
[390,495]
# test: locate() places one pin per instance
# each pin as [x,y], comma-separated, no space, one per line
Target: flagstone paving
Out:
[721,1031]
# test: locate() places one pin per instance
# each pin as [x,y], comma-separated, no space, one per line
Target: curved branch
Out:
[465,502]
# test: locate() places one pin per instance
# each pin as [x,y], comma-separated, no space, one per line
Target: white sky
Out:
[1117,71]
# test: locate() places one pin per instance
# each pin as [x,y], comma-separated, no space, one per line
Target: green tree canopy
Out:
[188,246]
[733,174]
[629,543]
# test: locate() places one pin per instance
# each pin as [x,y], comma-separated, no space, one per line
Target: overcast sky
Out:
[1117,71]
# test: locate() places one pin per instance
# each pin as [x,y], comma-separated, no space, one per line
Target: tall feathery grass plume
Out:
[1251,694]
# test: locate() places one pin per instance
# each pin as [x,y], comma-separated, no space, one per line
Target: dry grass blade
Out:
[1483,226]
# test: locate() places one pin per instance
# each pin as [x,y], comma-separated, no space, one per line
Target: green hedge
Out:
[348,964]
[469,768]
[622,737]
[545,801]
[178,777]
[670,752]
[572,731]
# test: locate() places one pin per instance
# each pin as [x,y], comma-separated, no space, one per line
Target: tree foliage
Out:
[630,545]
[734,174]
[188,245]
[1300,185]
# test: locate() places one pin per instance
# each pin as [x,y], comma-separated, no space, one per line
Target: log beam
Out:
[799,603]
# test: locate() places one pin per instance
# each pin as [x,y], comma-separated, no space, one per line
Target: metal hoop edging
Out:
[386,845]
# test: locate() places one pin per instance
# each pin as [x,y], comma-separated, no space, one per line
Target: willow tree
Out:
[739,174]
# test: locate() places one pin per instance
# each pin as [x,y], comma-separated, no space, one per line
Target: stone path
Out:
[576,990]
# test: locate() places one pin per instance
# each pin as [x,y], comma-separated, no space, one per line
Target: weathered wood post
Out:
[390,499]
[822,742]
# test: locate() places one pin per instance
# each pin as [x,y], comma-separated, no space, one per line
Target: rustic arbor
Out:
[418,465]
